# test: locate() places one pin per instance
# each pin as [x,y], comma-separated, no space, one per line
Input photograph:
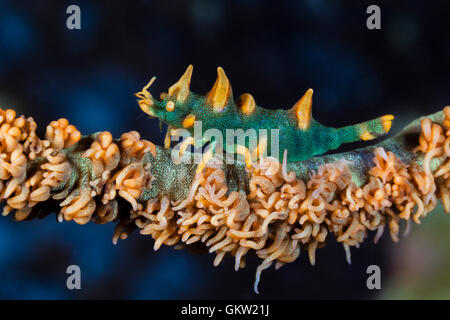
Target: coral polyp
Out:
[302,136]
[273,208]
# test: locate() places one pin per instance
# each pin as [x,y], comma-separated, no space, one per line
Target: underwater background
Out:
[274,50]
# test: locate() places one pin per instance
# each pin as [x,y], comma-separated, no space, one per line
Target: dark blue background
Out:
[272,49]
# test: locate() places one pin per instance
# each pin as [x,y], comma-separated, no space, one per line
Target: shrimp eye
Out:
[170,106]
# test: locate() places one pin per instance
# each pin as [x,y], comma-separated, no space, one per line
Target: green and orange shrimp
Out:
[300,135]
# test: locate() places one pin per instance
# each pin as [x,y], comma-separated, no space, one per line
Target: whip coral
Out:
[273,209]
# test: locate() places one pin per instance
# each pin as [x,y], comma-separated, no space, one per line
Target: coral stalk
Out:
[272,209]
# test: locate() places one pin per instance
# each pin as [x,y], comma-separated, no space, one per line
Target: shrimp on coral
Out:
[302,136]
